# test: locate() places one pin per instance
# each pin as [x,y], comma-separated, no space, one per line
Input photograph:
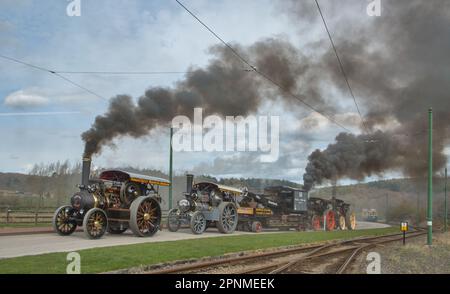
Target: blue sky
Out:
[129,36]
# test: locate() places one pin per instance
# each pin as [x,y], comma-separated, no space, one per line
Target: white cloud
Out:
[313,122]
[25,99]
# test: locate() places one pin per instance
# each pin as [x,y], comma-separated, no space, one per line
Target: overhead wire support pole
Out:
[430,179]
[417,208]
[170,169]
[386,207]
[445,203]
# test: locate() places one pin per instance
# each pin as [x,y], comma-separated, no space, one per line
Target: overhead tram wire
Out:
[217,36]
[53,73]
[260,73]
[132,72]
[25,63]
[124,72]
[59,73]
[78,85]
[341,66]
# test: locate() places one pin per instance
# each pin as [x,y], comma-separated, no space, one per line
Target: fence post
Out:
[37,209]
[8,212]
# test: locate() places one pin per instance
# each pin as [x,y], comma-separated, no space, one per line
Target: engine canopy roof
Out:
[123,176]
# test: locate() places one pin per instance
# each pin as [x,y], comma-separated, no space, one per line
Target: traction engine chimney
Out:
[189,182]
[85,171]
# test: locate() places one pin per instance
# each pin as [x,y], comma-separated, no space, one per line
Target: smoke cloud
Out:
[360,156]
[398,66]
[224,87]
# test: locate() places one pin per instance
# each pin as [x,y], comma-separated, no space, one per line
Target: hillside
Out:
[22,190]
[399,198]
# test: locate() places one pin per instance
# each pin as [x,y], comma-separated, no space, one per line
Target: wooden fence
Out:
[23,215]
[43,215]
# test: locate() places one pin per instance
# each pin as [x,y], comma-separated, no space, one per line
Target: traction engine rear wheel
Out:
[330,220]
[145,216]
[95,223]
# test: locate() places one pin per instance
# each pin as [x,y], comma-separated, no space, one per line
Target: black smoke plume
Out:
[360,156]
[224,87]
[398,64]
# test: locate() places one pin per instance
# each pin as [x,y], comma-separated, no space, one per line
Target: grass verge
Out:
[98,260]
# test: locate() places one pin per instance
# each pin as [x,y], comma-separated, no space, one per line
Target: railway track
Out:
[332,257]
[327,259]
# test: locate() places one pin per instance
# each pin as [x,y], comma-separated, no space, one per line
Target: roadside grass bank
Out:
[97,260]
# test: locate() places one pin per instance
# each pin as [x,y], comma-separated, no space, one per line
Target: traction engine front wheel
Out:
[350,220]
[198,223]
[316,222]
[61,221]
[256,227]
[95,223]
[342,225]
[173,220]
[228,218]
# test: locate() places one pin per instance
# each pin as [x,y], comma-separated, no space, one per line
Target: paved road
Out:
[370,225]
[20,245]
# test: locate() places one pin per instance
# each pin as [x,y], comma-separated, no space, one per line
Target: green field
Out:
[98,260]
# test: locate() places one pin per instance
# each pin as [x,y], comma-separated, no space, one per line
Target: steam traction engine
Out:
[114,202]
[278,207]
[331,214]
[206,203]
[285,207]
